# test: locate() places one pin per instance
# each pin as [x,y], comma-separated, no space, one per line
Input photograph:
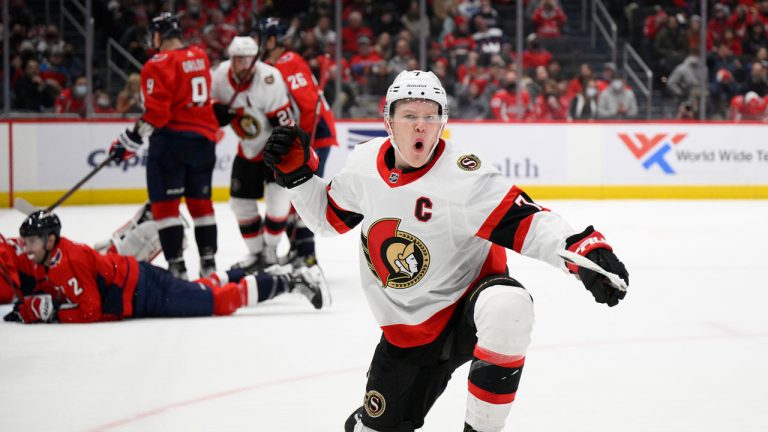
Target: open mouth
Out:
[419,145]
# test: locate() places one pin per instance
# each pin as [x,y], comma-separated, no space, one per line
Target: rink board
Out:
[41,160]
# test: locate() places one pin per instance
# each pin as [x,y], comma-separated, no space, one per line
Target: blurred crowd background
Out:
[649,65]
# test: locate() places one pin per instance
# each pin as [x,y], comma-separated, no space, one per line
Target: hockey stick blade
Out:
[588,264]
[24,206]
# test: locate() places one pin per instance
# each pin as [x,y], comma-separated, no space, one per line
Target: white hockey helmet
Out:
[243,46]
[417,84]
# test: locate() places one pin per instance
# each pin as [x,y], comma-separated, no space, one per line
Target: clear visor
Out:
[415,111]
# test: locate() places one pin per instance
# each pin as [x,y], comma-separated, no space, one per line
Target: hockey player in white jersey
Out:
[253,98]
[435,223]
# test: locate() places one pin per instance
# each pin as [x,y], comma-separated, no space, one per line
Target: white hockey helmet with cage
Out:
[417,85]
[243,46]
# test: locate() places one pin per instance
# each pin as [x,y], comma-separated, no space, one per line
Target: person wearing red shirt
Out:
[749,107]
[504,101]
[352,32]
[363,62]
[314,114]
[57,279]
[72,99]
[181,125]
[548,19]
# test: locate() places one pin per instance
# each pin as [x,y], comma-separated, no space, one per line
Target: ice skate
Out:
[207,266]
[178,269]
[310,282]
[250,264]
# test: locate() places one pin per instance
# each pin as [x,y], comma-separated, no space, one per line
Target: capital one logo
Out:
[652,149]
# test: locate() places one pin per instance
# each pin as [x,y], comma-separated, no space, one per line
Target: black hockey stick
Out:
[26,207]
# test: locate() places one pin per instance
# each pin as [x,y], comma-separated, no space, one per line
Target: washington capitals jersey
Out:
[305,92]
[427,236]
[176,87]
[91,287]
[262,105]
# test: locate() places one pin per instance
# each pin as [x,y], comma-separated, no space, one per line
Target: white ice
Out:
[686,351]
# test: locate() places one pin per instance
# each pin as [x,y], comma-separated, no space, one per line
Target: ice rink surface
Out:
[686,351]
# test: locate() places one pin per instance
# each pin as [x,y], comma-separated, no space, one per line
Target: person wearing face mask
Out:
[436,221]
[584,105]
[73,99]
[617,101]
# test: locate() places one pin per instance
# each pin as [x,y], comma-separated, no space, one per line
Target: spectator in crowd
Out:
[218,33]
[134,37]
[399,61]
[686,77]
[50,40]
[32,92]
[540,77]
[323,31]
[740,20]
[732,42]
[411,20]
[504,101]
[384,45]
[103,103]
[756,81]
[72,100]
[554,70]
[363,61]
[129,98]
[535,55]
[309,47]
[548,19]
[617,101]
[670,47]
[488,39]
[459,43]
[576,84]
[722,90]
[651,26]
[688,110]
[749,107]
[471,102]
[488,13]
[718,23]
[755,40]
[693,33]
[386,20]
[550,105]
[351,33]
[584,104]
[53,66]
[609,73]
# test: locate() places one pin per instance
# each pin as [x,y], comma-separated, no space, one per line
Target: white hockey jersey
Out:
[427,235]
[260,107]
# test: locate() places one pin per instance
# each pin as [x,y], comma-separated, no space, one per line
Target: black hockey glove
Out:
[125,146]
[592,244]
[289,154]
[223,114]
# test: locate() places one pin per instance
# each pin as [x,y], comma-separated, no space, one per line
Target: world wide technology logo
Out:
[652,150]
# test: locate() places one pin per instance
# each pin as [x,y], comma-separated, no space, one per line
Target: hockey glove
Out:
[592,244]
[125,146]
[223,114]
[289,154]
[31,309]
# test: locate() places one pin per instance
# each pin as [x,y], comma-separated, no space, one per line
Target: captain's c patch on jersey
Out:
[469,162]
[397,258]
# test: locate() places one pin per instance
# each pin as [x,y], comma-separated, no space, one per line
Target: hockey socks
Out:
[493,382]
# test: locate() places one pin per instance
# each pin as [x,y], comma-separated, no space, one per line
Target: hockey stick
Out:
[24,206]
[27,208]
[588,264]
[320,96]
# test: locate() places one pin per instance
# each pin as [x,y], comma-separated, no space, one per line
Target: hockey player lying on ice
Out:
[435,222]
[56,279]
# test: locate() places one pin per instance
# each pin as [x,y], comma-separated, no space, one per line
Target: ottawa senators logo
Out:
[374,403]
[269,79]
[468,162]
[397,258]
[246,126]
